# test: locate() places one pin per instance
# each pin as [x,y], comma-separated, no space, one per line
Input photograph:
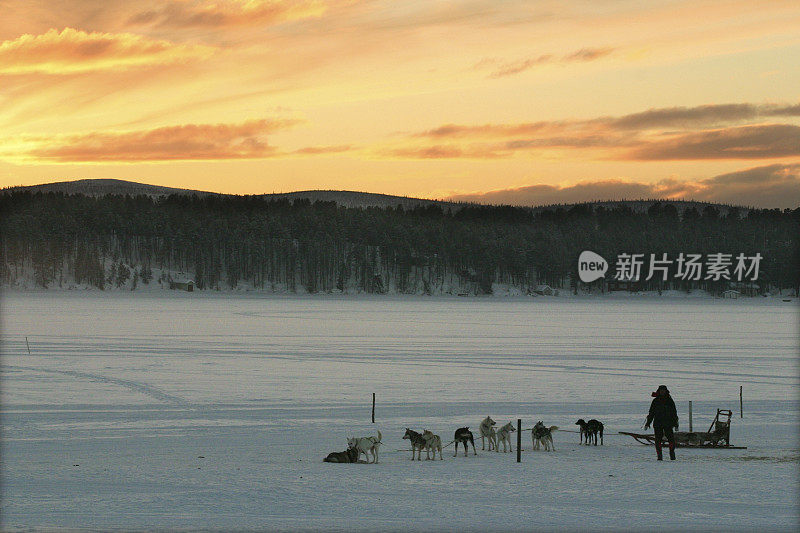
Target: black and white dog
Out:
[543,435]
[463,436]
[418,443]
[348,456]
[504,436]
[590,429]
[487,432]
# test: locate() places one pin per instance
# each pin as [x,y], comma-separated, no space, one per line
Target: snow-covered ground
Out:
[198,410]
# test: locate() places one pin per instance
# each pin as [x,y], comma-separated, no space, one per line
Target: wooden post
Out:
[519,440]
[28,345]
[741,411]
[690,416]
[373,407]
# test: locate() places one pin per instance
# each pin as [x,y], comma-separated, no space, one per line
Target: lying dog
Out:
[487,432]
[504,436]
[590,430]
[418,443]
[434,443]
[463,436]
[348,456]
[542,435]
[366,445]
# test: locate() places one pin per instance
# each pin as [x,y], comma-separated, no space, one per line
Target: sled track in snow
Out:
[135,386]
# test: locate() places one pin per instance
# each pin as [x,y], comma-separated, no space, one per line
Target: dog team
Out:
[427,441]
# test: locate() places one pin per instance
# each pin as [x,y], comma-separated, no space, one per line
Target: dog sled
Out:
[717,436]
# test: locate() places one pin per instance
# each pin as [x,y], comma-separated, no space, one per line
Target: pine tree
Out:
[123,274]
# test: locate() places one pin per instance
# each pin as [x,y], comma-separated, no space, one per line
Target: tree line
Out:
[302,246]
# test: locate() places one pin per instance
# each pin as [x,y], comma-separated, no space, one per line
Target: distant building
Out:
[624,285]
[748,288]
[544,290]
[187,285]
[730,293]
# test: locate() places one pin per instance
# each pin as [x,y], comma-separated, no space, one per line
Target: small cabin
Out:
[544,290]
[616,285]
[187,285]
[730,293]
[745,288]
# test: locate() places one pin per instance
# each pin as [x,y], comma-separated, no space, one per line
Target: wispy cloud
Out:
[74,51]
[229,13]
[728,131]
[744,142]
[501,68]
[667,117]
[246,140]
[186,142]
[323,150]
[444,152]
[701,116]
[765,186]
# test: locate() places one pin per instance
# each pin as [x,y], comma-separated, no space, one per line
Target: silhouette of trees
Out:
[304,246]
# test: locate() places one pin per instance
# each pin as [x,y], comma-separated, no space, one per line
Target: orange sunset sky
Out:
[508,101]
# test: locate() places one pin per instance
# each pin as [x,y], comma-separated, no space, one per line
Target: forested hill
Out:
[103,187]
[221,242]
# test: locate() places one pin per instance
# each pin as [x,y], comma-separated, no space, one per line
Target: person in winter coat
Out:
[664,417]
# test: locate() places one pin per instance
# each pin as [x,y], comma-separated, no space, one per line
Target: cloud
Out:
[667,117]
[504,69]
[323,150]
[765,186]
[185,142]
[675,133]
[489,130]
[229,13]
[501,69]
[444,152]
[553,194]
[705,115]
[588,54]
[71,51]
[745,142]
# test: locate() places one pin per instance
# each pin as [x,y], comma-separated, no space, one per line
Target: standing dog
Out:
[434,443]
[348,456]
[590,430]
[542,435]
[366,445]
[418,443]
[464,435]
[504,434]
[487,432]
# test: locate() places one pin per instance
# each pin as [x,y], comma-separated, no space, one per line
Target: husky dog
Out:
[487,432]
[418,443]
[464,435]
[504,436]
[590,430]
[366,445]
[434,443]
[540,434]
[348,456]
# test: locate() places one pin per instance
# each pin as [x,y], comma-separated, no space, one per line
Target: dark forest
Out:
[304,246]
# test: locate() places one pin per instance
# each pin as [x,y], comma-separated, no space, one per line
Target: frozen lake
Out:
[201,410]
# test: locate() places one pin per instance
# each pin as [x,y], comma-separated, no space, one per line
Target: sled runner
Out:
[717,436]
